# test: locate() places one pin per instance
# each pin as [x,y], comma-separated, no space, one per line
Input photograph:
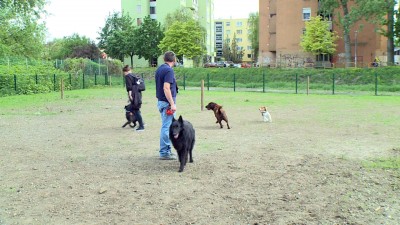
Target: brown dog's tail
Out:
[219,108]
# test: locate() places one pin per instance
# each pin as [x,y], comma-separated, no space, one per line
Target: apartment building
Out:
[227,29]
[282,23]
[203,10]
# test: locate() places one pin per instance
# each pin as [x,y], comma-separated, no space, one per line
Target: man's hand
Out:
[173,108]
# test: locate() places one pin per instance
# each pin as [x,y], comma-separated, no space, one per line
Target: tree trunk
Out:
[390,34]
[131,55]
[346,33]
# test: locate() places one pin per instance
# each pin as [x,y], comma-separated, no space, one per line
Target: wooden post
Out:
[308,84]
[62,88]
[202,95]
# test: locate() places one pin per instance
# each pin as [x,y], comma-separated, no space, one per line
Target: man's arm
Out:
[168,95]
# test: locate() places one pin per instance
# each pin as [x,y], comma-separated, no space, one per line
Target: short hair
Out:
[126,68]
[169,56]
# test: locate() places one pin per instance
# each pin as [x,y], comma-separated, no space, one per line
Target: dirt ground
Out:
[70,162]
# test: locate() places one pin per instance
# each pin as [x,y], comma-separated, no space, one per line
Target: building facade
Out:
[227,29]
[282,23]
[203,10]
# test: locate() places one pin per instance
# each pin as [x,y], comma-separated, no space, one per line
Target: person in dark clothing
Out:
[134,94]
[166,90]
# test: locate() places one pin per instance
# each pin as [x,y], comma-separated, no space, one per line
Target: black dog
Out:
[130,116]
[182,135]
[219,113]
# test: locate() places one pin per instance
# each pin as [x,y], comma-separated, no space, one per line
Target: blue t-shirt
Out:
[165,73]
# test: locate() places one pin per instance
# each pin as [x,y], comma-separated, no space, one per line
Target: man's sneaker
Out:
[140,129]
[168,157]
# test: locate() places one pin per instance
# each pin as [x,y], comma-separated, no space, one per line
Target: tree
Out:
[116,37]
[236,55]
[89,51]
[31,7]
[185,39]
[253,22]
[382,13]
[318,39]
[182,15]
[226,49]
[397,27]
[22,33]
[73,46]
[346,18]
[148,35]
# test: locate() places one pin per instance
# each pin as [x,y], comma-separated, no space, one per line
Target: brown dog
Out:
[219,113]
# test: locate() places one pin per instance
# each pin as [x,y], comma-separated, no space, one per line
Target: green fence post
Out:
[36,78]
[263,74]
[83,81]
[333,83]
[95,79]
[184,81]
[15,82]
[297,81]
[70,80]
[376,84]
[105,79]
[54,82]
[234,82]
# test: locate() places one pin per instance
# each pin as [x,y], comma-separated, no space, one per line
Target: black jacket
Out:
[136,95]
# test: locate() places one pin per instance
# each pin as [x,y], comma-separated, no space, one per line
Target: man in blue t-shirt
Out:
[166,90]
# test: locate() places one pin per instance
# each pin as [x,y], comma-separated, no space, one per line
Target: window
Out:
[138,21]
[218,29]
[306,13]
[152,10]
[238,31]
[228,31]
[249,56]
[139,8]
[239,23]
[249,48]
[227,24]
[239,40]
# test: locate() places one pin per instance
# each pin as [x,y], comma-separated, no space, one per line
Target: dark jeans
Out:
[139,117]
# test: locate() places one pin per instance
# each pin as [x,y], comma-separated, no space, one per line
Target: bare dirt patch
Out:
[70,162]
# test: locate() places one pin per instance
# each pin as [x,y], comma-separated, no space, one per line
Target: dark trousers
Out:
[139,117]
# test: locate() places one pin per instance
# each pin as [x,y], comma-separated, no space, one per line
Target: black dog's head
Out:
[176,127]
[211,105]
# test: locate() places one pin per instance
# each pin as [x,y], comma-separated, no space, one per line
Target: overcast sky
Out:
[86,17]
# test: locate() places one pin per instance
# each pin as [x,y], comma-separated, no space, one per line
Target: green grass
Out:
[387,163]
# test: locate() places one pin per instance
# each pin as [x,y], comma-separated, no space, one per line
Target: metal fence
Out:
[296,83]
[31,84]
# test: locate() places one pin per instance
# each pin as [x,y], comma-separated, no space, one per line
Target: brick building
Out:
[282,23]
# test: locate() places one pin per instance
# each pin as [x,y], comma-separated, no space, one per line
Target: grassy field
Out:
[325,159]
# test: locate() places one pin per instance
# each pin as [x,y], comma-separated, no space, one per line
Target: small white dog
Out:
[264,112]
